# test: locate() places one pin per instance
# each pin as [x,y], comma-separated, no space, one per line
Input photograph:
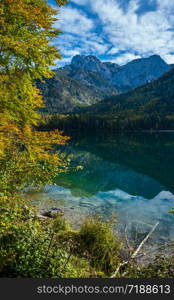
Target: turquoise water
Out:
[129,175]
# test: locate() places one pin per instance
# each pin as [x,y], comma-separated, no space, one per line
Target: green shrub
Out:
[28,246]
[99,244]
[162,267]
[46,248]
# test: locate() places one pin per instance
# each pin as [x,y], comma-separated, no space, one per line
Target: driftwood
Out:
[162,247]
[124,263]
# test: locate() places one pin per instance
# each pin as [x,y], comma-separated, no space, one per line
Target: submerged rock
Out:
[87,204]
[53,213]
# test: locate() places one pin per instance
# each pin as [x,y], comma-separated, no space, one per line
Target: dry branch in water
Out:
[124,263]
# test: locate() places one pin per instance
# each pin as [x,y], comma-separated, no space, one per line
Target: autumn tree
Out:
[26,54]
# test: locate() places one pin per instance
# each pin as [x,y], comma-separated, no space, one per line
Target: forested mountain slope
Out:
[148,107]
[87,80]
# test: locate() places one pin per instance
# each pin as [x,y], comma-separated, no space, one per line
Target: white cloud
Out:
[79,35]
[166,4]
[71,52]
[74,21]
[114,50]
[125,58]
[169,58]
[94,46]
[146,34]
[120,30]
[80,2]
[62,62]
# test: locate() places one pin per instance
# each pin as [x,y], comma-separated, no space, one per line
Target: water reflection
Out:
[130,175]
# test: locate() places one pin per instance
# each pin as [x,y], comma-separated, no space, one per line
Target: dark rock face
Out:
[129,76]
[87,81]
[88,63]
[139,72]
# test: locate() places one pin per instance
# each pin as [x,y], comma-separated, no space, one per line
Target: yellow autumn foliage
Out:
[27,156]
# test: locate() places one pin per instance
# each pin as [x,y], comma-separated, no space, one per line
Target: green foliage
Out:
[149,107]
[43,248]
[100,244]
[27,156]
[162,267]
[65,94]
[26,30]
[29,247]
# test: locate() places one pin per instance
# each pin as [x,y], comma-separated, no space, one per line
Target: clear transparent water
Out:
[130,175]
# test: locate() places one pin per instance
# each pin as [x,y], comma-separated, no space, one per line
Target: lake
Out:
[130,176]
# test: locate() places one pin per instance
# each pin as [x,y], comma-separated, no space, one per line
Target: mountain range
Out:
[148,107]
[87,81]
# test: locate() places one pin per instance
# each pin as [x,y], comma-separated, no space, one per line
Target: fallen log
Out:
[124,263]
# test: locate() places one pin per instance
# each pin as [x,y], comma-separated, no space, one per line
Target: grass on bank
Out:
[47,248]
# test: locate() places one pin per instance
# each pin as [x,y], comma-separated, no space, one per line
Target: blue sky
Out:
[116,30]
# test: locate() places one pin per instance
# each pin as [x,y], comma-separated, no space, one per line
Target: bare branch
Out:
[124,263]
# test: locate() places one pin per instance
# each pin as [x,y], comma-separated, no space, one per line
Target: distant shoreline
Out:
[156,131]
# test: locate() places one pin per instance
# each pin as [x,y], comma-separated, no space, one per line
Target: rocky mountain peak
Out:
[88,80]
[140,71]
[86,62]
[93,64]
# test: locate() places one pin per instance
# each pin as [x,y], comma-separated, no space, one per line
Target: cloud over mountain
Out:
[117,30]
